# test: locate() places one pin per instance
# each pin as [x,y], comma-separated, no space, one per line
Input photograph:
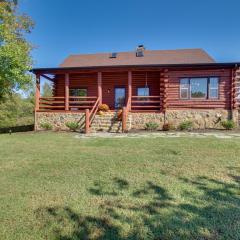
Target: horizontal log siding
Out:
[84,80]
[109,82]
[173,90]
[153,82]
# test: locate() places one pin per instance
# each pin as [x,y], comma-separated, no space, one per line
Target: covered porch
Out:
[78,91]
[84,91]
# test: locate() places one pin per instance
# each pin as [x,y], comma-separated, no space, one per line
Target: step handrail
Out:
[94,110]
[89,115]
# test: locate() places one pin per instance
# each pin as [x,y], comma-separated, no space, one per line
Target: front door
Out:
[120,96]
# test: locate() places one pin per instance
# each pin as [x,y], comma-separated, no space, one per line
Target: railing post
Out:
[37,94]
[124,120]
[130,89]
[87,121]
[66,91]
[100,87]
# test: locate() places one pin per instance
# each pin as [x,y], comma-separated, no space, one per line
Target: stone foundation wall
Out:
[138,120]
[57,120]
[201,118]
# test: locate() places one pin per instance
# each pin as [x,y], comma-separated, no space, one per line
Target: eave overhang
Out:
[61,70]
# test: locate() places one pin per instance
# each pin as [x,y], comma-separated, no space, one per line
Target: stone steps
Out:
[107,123]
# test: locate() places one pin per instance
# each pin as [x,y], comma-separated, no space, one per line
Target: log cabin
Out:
[161,86]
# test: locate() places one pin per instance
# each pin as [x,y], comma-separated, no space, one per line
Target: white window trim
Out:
[184,88]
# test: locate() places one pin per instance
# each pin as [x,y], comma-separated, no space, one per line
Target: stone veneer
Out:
[201,119]
[139,119]
[58,119]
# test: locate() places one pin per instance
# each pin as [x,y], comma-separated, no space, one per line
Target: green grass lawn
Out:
[55,186]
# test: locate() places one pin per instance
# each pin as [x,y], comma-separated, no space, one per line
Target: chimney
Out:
[140,51]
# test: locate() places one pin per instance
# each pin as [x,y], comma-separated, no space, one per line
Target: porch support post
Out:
[67,91]
[130,89]
[37,93]
[99,80]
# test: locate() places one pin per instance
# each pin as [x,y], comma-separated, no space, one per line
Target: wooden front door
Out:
[120,97]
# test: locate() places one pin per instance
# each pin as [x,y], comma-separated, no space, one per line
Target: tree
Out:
[47,90]
[15,58]
[16,110]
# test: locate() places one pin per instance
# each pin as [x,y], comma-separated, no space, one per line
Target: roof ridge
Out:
[133,51]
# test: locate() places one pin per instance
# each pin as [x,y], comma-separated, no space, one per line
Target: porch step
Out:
[107,123]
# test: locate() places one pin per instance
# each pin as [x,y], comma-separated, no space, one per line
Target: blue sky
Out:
[66,27]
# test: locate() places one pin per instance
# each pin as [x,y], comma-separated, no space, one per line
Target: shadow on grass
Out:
[210,210]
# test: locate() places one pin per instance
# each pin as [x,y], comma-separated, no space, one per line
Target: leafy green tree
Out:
[47,90]
[16,111]
[15,58]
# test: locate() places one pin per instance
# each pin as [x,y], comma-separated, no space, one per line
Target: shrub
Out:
[167,127]
[150,126]
[228,124]
[103,107]
[46,126]
[73,126]
[186,125]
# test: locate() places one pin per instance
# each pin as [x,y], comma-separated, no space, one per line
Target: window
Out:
[184,88]
[199,88]
[78,92]
[143,91]
[213,88]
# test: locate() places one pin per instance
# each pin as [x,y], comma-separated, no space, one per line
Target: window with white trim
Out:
[184,88]
[199,88]
[213,87]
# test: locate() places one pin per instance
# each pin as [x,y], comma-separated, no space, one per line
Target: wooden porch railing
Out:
[76,103]
[145,103]
[139,103]
[82,102]
[89,115]
[51,103]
